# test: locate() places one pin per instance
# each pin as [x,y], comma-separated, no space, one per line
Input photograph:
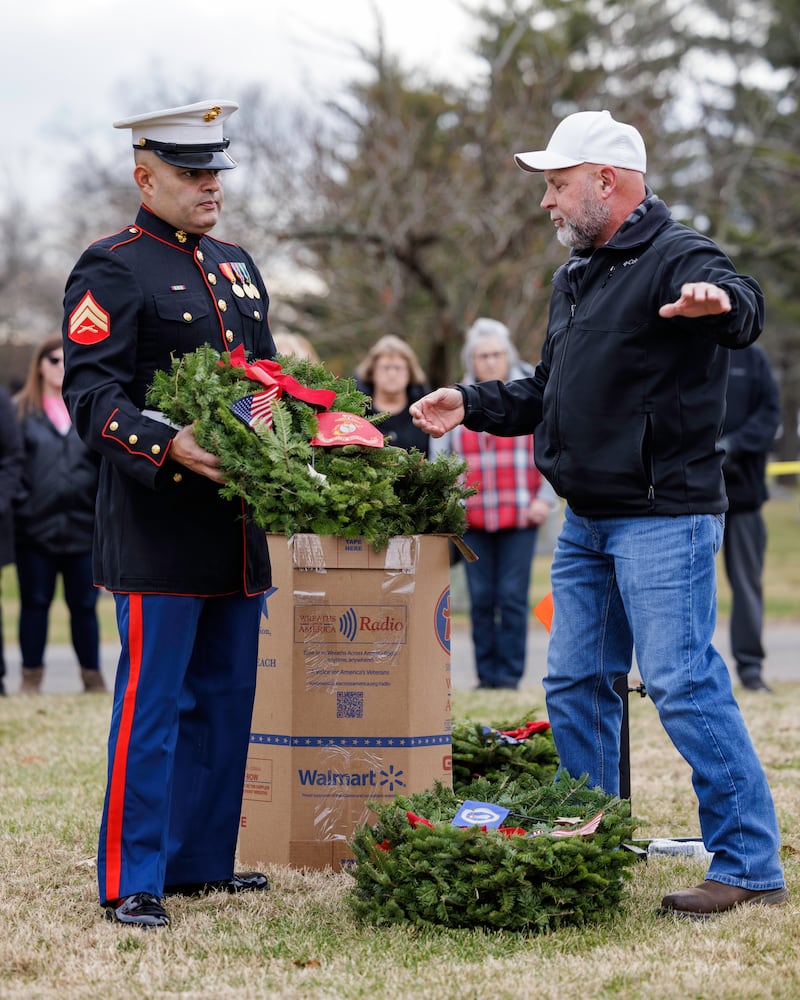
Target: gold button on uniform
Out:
[113,426]
[177,478]
[212,278]
[257,314]
[133,438]
[229,335]
[223,305]
[156,449]
[200,256]
[188,317]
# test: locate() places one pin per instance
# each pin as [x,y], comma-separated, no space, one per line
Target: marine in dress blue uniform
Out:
[186,567]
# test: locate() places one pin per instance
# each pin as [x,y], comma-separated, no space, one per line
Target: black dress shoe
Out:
[238,882]
[142,909]
[756,684]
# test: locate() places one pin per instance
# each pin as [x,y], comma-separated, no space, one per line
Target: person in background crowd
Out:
[187,568]
[54,522]
[752,418]
[627,404]
[295,344]
[10,472]
[503,517]
[393,377]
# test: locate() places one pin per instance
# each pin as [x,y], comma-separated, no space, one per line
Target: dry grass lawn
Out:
[300,940]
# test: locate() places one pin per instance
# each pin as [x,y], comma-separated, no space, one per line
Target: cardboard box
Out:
[353,695]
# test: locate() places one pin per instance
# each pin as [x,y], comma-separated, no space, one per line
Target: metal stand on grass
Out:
[623,690]
[683,845]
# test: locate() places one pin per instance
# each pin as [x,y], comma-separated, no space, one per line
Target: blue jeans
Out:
[649,584]
[498,586]
[37,572]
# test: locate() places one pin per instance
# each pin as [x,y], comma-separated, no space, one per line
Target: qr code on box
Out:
[349,704]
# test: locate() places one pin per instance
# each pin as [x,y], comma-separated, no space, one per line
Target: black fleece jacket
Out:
[626,408]
[752,418]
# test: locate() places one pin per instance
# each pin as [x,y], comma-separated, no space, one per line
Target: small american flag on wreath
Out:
[256,410]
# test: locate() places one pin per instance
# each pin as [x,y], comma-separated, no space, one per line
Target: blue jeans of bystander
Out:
[649,584]
[498,595]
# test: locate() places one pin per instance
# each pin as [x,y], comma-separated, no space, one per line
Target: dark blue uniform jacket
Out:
[132,302]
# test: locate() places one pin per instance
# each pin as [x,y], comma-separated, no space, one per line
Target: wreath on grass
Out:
[414,865]
[494,752]
[510,847]
[291,485]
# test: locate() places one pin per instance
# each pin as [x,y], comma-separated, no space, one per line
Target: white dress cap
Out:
[589,137]
[189,136]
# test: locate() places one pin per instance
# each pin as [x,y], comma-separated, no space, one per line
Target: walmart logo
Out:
[391,779]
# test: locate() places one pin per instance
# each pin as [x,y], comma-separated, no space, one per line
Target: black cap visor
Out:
[208,156]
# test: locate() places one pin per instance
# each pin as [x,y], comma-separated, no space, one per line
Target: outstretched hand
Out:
[698,298]
[187,452]
[438,412]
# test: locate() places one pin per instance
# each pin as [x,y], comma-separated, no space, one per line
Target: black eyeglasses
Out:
[55,359]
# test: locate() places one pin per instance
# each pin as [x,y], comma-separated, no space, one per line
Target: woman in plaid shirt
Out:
[503,517]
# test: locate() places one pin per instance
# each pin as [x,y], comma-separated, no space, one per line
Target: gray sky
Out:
[67,65]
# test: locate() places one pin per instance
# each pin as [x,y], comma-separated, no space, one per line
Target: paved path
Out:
[782,642]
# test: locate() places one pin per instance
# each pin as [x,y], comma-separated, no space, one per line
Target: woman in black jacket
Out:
[54,522]
[10,468]
[393,378]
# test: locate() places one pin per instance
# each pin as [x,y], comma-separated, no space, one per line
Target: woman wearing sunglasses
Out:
[54,522]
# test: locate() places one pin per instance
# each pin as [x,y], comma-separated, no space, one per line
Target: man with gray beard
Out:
[626,407]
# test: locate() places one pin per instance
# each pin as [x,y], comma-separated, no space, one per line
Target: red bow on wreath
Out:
[524,732]
[269,374]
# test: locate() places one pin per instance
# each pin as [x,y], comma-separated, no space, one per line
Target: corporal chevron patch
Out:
[89,323]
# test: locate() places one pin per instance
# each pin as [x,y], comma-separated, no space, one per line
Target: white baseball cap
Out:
[189,136]
[588,137]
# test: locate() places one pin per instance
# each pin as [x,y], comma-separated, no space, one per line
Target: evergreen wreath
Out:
[414,866]
[494,752]
[292,487]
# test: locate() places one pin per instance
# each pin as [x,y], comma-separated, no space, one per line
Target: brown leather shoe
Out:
[31,680]
[92,680]
[715,897]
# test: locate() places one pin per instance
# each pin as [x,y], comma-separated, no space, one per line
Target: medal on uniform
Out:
[232,276]
[242,278]
[250,289]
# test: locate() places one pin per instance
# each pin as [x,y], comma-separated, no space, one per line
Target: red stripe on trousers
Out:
[116,794]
